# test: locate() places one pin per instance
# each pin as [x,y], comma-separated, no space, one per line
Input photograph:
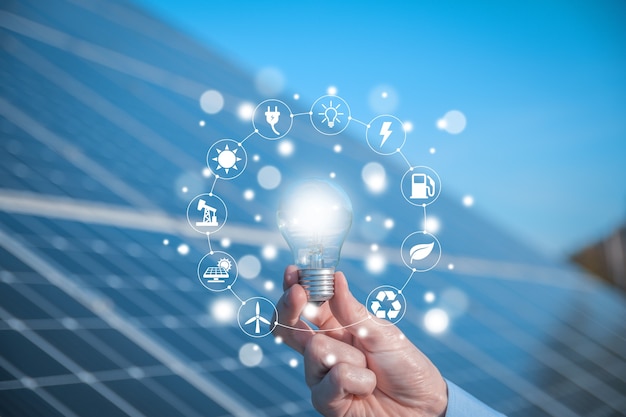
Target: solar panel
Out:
[99,124]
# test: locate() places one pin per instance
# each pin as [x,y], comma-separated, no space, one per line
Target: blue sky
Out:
[541,83]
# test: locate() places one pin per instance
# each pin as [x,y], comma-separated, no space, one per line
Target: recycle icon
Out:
[394,309]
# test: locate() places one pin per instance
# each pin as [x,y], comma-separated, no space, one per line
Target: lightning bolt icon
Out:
[385,132]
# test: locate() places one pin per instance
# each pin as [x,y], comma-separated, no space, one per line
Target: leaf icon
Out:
[419,252]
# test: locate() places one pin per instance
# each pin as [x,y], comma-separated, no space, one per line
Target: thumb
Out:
[375,334]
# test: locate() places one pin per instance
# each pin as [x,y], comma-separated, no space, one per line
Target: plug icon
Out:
[271,117]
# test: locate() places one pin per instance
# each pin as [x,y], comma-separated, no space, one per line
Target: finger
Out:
[333,395]
[290,277]
[289,307]
[375,334]
[323,318]
[323,352]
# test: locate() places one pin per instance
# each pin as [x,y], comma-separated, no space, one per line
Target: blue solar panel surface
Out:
[99,125]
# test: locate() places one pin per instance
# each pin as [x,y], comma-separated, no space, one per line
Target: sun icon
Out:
[225,264]
[226,159]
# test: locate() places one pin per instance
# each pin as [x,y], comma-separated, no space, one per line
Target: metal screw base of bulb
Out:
[319,284]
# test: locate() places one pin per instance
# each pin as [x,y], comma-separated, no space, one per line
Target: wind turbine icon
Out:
[258,319]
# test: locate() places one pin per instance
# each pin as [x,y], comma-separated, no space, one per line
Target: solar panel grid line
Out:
[100,55]
[84,296]
[552,359]
[198,342]
[48,138]
[527,390]
[88,97]
[126,14]
[535,317]
[68,363]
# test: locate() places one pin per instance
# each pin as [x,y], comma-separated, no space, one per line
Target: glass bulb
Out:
[314,217]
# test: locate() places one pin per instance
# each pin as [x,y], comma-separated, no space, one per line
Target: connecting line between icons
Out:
[424,207]
[308,113]
[235,294]
[407,280]
[404,157]
[214,182]
[248,137]
[358,121]
[322,330]
[208,238]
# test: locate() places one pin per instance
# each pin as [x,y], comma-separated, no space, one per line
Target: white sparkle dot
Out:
[245,111]
[331,359]
[278,340]
[368,218]
[432,151]
[450,267]
[408,126]
[332,90]
[389,223]
[257,218]
[429,297]
[269,252]
[269,285]
[224,310]
[310,311]
[442,124]
[201,123]
[293,362]
[375,263]
[332,175]
[436,320]
[225,242]
[468,201]
[337,148]
[183,249]
[296,96]
[384,94]
[184,189]
[362,332]
[374,247]
[285,148]
[211,101]
[432,224]
[256,158]
[206,172]
[166,242]
[248,194]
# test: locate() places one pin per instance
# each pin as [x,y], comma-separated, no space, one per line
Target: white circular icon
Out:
[421,251]
[226,159]
[420,186]
[386,302]
[385,134]
[257,317]
[206,213]
[330,115]
[217,271]
[272,119]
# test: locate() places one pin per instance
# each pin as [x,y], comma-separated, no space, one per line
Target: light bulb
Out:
[331,114]
[314,217]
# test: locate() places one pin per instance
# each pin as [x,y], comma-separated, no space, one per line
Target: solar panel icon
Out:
[218,273]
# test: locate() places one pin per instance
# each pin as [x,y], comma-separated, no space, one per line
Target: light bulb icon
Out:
[314,217]
[331,114]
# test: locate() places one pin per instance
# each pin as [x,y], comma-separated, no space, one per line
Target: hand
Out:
[364,369]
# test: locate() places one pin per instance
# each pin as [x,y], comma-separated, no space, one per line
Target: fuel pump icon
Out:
[422,187]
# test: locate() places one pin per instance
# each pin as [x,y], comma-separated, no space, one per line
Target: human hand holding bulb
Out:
[354,365]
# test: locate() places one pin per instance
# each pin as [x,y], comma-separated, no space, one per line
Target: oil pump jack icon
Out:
[209,217]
